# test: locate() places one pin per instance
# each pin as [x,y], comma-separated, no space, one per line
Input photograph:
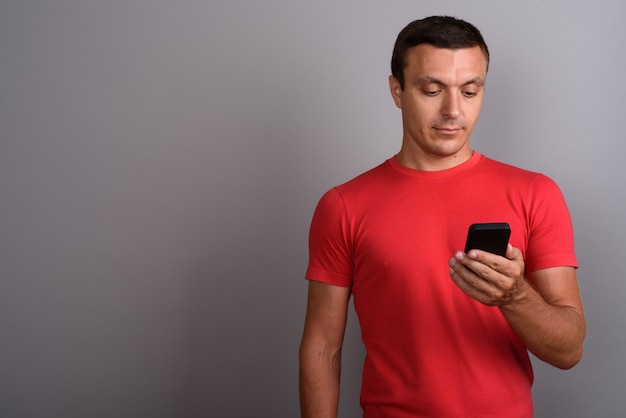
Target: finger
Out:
[497,276]
[479,289]
[513,253]
[471,283]
[486,265]
[510,268]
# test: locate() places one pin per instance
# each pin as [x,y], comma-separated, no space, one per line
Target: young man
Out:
[446,333]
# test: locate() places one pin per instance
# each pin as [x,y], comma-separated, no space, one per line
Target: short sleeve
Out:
[330,244]
[551,238]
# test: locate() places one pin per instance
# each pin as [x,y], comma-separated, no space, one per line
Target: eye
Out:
[431,92]
[469,94]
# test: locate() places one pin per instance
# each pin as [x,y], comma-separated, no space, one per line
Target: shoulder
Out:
[359,192]
[538,193]
[378,173]
[513,174]
[364,183]
[504,168]
[334,198]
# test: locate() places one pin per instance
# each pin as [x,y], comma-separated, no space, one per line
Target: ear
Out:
[396,91]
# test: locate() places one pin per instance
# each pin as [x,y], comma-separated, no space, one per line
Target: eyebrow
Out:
[479,81]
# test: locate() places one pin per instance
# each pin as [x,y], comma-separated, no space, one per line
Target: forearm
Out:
[554,333]
[319,383]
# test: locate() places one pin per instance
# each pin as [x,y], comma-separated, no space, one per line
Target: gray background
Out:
[160,163]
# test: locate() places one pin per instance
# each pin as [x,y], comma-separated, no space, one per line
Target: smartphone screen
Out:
[490,237]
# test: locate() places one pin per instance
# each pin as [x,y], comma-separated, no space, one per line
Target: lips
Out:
[448,130]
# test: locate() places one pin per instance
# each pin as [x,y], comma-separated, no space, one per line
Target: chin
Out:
[453,150]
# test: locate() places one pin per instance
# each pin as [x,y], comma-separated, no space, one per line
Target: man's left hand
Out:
[489,278]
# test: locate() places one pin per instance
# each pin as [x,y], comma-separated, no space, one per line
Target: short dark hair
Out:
[438,31]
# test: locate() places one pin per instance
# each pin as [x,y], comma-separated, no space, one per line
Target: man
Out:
[446,333]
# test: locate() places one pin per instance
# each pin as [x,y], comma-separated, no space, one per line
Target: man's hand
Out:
[489,278]
[547,315]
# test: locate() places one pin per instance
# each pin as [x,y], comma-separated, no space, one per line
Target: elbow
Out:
[315,353]
[564,357]
[567,362]
[568,359]
[574,355]
[571,360]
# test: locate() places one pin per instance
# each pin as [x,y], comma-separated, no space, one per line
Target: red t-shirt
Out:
[432,351]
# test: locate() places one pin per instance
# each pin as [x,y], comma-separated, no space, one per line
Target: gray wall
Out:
[160,162]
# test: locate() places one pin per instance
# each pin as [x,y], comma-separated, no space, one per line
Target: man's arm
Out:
[544,309]
[320,349]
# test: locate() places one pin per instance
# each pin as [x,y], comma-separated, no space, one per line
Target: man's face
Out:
[441,100]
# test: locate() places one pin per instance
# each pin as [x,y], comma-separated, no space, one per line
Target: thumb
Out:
[513,253]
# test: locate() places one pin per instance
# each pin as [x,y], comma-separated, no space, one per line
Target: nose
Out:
[450,107]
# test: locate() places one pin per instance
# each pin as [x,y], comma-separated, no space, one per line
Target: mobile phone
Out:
[490,237]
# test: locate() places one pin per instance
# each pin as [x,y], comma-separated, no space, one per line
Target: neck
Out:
[434,163]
